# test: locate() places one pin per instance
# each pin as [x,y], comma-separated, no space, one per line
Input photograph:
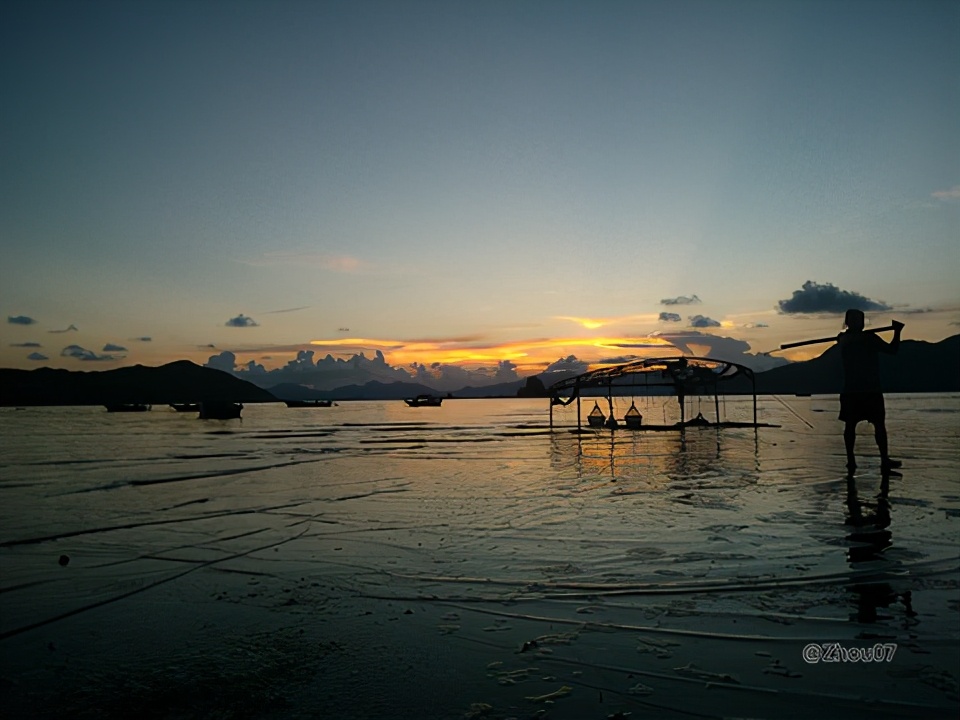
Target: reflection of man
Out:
[862,396]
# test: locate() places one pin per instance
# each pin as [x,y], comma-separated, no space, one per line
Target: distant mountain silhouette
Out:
[293,391]
[375,390]
[176,382]
[919,366]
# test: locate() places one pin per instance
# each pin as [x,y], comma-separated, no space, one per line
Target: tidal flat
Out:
[371,560]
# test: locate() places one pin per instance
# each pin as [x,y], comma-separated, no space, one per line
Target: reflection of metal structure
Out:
[681,376]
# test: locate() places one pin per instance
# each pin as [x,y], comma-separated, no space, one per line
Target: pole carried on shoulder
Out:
[830,339]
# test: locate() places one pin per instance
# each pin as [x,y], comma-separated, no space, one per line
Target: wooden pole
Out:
[829,339]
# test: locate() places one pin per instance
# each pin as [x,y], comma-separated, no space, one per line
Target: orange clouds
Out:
[530,354]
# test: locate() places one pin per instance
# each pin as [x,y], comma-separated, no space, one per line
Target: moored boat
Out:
[424,401]
[217,410]
[186,407]
[127,407]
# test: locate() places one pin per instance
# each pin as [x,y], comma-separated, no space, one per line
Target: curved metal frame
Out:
[688,375]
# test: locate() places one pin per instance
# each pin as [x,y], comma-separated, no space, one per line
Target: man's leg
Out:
[880,433]
[849,438]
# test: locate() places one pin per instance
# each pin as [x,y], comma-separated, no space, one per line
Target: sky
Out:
[480,185]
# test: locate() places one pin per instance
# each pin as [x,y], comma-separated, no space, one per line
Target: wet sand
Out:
[376,561]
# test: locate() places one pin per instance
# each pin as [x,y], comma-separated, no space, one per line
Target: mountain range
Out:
[918,367]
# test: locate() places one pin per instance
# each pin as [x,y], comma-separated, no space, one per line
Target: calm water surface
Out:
[476,504]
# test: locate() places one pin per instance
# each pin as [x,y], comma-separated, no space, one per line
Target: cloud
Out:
[26,344]
[506,371]
[78,353]
[568,364]
[225,361]
[333,263]
[69,328]
[286,310]
[720,347]
[951,195]
[669,317]
[241,320]
[20,320]
[816,298]
[595,323]
[142,339]
[682,300]
[755,325]
[700,321]
[37,356]
[618,360]
[110,347]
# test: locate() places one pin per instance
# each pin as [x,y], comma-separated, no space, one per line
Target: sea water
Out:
[126,538]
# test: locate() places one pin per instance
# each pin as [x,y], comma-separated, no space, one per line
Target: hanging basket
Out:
[596,416]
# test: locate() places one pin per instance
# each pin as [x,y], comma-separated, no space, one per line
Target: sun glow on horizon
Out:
[531,354]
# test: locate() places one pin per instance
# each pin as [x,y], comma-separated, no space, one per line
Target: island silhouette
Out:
[919,367]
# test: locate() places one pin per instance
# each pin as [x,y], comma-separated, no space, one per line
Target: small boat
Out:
[424,401]
[308,403]
[186,407]
[220,410]
[127,407]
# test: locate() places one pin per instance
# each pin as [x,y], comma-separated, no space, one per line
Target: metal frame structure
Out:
[685,374]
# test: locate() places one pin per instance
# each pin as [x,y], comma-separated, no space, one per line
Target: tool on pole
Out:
[785,346]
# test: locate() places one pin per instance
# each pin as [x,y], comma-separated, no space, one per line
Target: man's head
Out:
[854,319]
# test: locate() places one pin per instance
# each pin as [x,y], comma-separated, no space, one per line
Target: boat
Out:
[127,407]
[186,407]
[424,401]
[220,410]
[308,403]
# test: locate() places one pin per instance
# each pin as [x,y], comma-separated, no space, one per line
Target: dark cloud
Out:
[669,317]
[142,339]
[815,298]
[286,310]
[719,347]
[682,300]
[225,361]
[110,347]
[568,364]
[26,344]
[756,325]
[68,328]
[241,320]
[79,353]
[700,321]
[506,371]
[618,360]
[37,356]
[20,320]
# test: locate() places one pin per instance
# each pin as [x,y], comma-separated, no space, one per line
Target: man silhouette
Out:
[862,395]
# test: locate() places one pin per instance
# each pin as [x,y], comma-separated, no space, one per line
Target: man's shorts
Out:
[868,406]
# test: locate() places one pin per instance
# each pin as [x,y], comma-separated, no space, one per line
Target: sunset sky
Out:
[471,182]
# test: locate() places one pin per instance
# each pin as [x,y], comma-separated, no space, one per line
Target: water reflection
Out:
[623,454]
[870,537]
